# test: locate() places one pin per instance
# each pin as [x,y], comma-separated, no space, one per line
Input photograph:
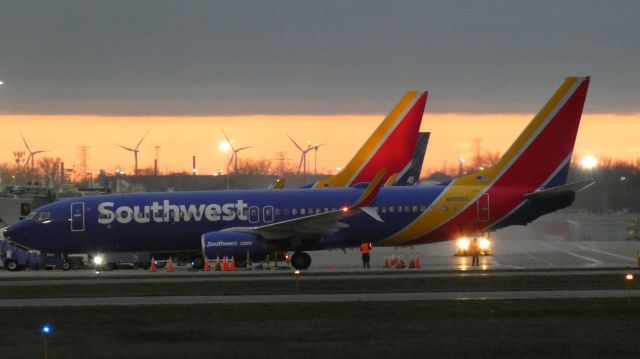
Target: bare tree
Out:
[49,167]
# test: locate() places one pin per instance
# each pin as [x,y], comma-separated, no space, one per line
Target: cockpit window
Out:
[39,216]
[44,216]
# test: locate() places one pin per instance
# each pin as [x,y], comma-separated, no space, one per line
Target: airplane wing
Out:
[317,225]
[308,227]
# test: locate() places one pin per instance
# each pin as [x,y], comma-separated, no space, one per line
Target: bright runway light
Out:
[589,162]
[224,146]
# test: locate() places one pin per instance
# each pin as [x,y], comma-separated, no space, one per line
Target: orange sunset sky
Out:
[602,135]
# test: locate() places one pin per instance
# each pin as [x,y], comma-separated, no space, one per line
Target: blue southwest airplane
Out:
[526,183]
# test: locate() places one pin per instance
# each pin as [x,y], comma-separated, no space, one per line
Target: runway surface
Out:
[313,298]
[542,256]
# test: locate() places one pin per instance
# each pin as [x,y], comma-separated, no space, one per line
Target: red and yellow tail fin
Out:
[543,150]
[391,145]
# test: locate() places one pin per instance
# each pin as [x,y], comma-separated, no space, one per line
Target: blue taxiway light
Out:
[46,329]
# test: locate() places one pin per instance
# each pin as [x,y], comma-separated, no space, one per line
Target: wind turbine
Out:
[315,156]
[135,152]
[303,157]
[234,155]
[32,154]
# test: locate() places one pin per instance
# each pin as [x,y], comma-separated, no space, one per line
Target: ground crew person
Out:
[365,248]
[475,252]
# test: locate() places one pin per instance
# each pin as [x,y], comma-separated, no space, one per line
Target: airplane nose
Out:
[15,233]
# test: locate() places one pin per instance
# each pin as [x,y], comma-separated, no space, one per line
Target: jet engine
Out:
[233,244]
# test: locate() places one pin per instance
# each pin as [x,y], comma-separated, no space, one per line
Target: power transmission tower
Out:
[18,156]
[280,159]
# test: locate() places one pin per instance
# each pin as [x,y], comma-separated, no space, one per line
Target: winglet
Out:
[372,190]
[278,184]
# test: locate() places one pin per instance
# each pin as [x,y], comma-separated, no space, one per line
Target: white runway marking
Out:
[574,254]
[631,259]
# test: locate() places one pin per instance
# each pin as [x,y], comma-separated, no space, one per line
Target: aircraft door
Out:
[267,214]
[254,213]
[77,216]
[483,208]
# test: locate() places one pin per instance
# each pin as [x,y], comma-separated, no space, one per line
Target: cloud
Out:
[279,57]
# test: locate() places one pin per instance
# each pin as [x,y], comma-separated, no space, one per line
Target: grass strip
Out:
[448,329]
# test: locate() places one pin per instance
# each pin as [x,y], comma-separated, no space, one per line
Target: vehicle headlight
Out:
[484,243]
[463,244]
[98,260]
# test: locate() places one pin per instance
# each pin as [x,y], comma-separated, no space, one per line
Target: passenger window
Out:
[392,209]
[277,211]
[423,208]
[294,211]
[286,211]
[414,209]
[407,209]
[302,211]
[399,209]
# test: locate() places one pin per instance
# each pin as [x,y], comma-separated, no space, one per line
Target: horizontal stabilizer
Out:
[559,191]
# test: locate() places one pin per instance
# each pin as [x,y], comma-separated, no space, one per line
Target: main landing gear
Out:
[300,260]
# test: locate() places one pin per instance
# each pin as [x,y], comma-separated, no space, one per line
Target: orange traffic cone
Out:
[225,264]
[217,266]
[417,262]
[152,267]
[232,264]
[206,265]
[400,263]
[170,266]
[386,262]
[393,262]
[412,263]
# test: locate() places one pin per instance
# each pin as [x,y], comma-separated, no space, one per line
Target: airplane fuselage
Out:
[169,222]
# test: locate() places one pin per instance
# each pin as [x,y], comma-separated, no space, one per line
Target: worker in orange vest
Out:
[365,248]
